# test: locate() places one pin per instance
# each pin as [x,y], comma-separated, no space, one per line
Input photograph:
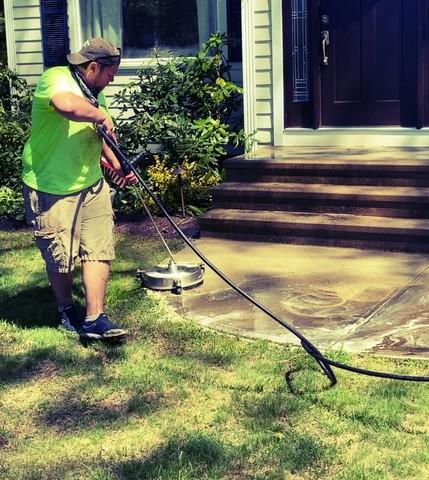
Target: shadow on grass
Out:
[38,362]
[75,408]
[295,452]
[74,412]
[35,307]
[191,456]
[266,408]
[200,455]
[30,308]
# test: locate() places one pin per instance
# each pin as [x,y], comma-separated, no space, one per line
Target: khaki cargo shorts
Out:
[68,226]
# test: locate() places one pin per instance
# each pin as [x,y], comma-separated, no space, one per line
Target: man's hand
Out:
[131,179]
[79,109]
[107,124]
[110,157]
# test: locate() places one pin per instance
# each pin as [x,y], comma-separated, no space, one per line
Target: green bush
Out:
[191,110]
[11,203]
[15,124]
[165,182]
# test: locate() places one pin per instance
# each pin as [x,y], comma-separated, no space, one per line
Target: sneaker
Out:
[70,319]
[101,328]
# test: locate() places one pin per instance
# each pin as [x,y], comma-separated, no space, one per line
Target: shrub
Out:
[11,203]
[196,186]
[166,184]
[15,124]
[190,108]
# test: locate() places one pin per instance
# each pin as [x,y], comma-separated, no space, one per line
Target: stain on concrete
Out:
[342,298]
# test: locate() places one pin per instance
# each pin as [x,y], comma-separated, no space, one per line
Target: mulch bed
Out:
[143,225]
[9,225]
[136,225]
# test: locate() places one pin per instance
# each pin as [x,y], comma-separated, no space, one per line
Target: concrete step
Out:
[391,201]
[360,231]
[352,170]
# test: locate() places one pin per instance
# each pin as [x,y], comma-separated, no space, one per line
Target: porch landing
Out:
[341,298]
[355,197]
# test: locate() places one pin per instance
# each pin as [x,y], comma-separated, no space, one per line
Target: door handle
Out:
[325,43]
[324,20]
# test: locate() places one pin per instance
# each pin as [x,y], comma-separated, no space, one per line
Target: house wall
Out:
[25,51]
[24,38]
[262,68]
[263,71]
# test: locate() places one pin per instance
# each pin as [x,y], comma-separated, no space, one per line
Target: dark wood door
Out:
[377,71]
[423,64]
[370,51]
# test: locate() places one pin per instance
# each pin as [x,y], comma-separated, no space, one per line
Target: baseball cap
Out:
[96,49]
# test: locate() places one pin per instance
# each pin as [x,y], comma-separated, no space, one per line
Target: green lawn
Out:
[178,401]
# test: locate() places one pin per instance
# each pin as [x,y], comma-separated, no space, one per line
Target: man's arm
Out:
[114,162]
[111,158]
[78,109]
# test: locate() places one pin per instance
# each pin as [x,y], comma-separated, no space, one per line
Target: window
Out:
[139,26]
[234,30]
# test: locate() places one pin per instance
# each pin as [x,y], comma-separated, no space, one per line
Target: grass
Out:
[178,401]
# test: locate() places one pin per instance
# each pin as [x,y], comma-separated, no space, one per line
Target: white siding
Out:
[28,39]
[263,71]
[121,80]
[26,3]
[263,5]
[263,107]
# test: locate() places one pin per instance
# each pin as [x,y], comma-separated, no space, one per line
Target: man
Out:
[66,198]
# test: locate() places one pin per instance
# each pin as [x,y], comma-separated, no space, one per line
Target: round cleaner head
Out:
[172,277]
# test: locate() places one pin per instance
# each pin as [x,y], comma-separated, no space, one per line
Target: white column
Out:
[10,34]
[75,29]
[248,46]
[203,14]
[277,66]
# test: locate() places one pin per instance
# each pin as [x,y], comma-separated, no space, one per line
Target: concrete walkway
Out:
[357,300]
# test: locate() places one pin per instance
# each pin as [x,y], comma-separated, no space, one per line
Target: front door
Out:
[363,74]
[363,63]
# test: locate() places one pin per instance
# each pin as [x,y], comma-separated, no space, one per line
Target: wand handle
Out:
[123,161]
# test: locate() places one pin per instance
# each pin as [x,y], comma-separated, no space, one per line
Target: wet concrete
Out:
[356,300]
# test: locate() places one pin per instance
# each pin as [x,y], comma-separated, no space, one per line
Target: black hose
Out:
[324,363]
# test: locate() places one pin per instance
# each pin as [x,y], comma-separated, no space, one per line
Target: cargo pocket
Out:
[52,248]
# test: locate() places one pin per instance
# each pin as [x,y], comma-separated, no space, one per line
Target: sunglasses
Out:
[109,59]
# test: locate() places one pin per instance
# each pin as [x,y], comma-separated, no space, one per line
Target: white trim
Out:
[75,31]
[356,137]
[10,34]
[221,22]
[277,67]
[248,46]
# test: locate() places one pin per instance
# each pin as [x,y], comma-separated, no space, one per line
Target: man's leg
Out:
[55,220]
[97,325]
[95,275]
[96,252]
[61,284]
